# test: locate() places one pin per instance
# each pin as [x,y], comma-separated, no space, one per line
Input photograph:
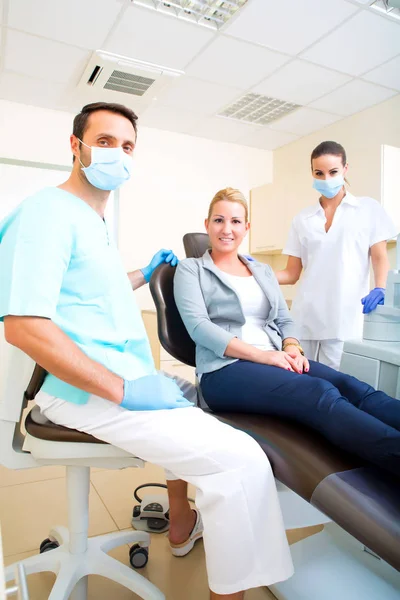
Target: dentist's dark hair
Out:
[329,148]
[81,120]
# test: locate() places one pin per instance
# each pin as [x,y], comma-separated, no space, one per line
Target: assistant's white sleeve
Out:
[383,227]
[35,250]
[293,244]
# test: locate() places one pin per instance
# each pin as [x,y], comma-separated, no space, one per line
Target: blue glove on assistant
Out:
[160,257]
[249,258]
[153,392]
[375,297]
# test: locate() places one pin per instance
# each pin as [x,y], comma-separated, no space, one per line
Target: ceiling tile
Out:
[301,82]
[44,59]
[150,36]
[352,97]
[233,62]
[387,74]
[18,88]
[74,22]
[267,139]
[165,117]
[362,43]
[288,26]
[225,130]
[304,121]
[198,96]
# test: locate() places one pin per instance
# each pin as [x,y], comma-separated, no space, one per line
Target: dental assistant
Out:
[332,242]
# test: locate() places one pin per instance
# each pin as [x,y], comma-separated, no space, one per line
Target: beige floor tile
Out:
[12,477]
[179,578]
[295,535]
[116,489]
[29,510]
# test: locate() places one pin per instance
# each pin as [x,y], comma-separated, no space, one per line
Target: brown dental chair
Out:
[357,555]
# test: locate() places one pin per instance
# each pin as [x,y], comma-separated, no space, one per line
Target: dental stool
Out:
[357,554]
[67,552]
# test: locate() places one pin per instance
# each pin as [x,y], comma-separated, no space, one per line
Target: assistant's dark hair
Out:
[81,120]
[329,148]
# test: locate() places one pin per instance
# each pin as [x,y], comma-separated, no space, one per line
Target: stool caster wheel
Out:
[47,545]
[138,556]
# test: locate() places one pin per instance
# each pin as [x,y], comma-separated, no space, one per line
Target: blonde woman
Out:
[248,354]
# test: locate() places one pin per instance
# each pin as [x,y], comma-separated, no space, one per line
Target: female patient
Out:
[248,354]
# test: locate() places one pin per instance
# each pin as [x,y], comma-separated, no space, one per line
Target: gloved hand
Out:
[371,301]
[249,258]
[160,257]
[152,392]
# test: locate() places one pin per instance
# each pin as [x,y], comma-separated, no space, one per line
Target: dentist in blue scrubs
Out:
[67,302]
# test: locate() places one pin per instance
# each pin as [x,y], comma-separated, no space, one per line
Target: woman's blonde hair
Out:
[231,195]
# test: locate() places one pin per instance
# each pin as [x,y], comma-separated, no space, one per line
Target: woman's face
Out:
[328,166]
[227,226]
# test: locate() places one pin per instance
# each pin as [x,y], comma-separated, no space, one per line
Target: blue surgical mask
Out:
[329,187]
[109,167]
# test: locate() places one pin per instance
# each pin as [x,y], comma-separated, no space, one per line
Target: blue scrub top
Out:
[57,262]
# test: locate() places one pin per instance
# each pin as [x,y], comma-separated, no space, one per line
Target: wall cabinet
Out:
[269,220]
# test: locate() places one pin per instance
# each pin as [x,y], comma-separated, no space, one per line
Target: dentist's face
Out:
[328,166]
[227,226]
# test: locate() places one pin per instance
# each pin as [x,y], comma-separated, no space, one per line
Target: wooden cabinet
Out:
[163,360]
[269,221]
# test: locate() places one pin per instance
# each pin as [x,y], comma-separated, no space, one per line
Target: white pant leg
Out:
[330,353]
[244,537]
[190,393]
[311,349]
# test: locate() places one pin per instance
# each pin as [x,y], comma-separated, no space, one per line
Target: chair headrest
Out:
[195,244]
[171,331]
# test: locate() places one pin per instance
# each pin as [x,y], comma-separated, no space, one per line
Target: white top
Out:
[256,307]
[336,266]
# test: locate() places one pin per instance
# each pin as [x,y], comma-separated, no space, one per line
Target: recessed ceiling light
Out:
[257,109]
[209,13]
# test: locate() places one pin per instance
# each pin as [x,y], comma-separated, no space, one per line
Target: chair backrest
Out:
[171,331]
[16,380]
[195,244]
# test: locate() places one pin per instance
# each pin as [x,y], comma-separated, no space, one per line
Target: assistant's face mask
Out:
[109,167]
[329,187]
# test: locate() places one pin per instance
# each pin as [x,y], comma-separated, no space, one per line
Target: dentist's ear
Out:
[75,145]
[206,224]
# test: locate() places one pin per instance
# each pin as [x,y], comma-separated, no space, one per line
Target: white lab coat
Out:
[327,305]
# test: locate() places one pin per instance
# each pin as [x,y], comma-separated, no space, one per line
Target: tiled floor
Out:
[32,501]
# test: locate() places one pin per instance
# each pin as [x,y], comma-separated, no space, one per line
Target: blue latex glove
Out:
[161,256]
[249,258]
[371,301]
[152,392]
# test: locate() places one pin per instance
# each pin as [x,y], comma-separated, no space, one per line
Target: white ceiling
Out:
[334,58]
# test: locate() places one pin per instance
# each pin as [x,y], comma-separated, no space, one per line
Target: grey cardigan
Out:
[211,311]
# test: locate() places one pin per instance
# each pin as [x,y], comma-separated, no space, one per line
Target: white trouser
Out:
[244,537]
[327,352]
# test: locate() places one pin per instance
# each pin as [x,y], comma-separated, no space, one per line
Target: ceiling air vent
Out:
[107,76]
[257,109]
[128,83]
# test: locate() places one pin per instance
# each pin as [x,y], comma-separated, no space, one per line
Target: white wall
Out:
[174,180]
[175,177]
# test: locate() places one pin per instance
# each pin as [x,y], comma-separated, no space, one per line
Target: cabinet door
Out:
[269,224]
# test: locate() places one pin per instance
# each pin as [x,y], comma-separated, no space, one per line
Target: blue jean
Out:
[348,412]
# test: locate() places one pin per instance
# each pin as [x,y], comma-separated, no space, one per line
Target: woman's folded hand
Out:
[291,361]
